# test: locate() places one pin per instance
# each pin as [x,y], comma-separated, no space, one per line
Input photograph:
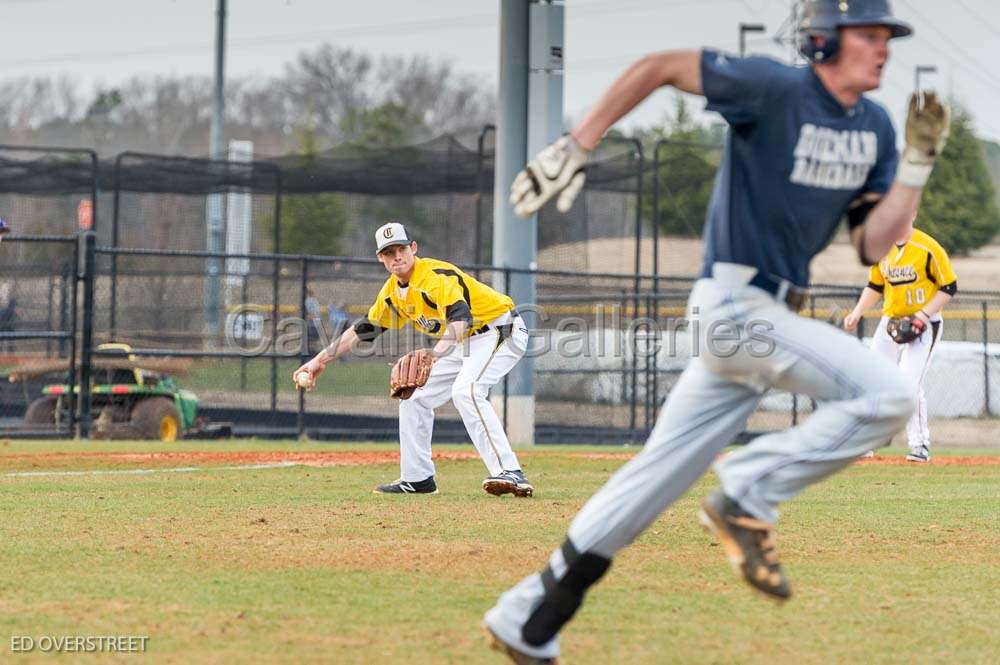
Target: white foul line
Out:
[136,472]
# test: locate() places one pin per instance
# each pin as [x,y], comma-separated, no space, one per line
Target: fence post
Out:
[653,398]
[653,337]
[506,377]
[73,278]
[624,308]
[243,337]
[480,154]
[115,212]
[300,418]
[275,276]
[986,359]
[87,341]
[48,314]
[656,215]
[638,282]
[68,279]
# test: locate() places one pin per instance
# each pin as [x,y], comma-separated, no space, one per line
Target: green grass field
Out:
[304,564]
[341,379]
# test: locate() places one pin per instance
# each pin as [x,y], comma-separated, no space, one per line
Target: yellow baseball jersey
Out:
[434,287]
[909,276]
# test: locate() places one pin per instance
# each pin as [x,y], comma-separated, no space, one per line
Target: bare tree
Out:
[324,90]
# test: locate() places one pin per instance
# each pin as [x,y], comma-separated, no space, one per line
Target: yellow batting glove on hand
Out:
[559,169]
[928,124]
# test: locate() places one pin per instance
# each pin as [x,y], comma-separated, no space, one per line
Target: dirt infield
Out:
[361,458]
[337,458]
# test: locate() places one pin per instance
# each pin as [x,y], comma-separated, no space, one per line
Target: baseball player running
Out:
[481,338]
[915,281]
[806,148]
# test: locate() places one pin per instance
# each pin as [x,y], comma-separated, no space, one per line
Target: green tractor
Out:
[131,399]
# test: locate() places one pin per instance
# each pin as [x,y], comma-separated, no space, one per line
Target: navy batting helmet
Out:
[825,18]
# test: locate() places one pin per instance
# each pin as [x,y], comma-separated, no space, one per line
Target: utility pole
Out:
[788,33]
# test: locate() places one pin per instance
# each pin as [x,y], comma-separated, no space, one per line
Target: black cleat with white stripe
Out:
[425,486]
[509,482]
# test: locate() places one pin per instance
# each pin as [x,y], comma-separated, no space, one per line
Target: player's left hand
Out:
[558,169]
[928,124]
[410,372]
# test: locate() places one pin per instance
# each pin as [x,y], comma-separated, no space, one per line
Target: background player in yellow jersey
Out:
[480,339]
[914,280]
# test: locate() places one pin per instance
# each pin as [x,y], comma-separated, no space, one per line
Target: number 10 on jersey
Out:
[915,296]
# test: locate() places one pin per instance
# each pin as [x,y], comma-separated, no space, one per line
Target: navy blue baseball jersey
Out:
[794,162]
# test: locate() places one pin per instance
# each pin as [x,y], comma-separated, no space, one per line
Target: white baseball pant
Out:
[465,376]
[913,359]
[862,397]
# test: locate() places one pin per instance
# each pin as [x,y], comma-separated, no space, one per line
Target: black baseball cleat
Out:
[425,486]
[509,482]
[516,657]
[749,544]
[919,454]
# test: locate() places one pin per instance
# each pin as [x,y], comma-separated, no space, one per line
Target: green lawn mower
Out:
[131,398]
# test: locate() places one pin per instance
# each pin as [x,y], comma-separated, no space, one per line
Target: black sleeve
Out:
[865,261]
[876,287]
[367,331]
[950,289]
[857,215]
[459,311]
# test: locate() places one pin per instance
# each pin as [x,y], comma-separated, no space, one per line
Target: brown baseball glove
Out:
[410,372]
[904,330]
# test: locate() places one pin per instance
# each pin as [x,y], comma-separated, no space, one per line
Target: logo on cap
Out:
[391,233]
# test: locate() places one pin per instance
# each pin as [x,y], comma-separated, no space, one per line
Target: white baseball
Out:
[304,380]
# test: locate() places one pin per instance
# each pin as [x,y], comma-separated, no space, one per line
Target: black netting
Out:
[139,172]
[46,172]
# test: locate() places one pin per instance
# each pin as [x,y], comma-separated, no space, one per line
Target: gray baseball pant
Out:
[862,398]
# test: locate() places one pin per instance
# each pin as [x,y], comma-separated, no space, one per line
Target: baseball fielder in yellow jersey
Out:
[480,339]
[915,281]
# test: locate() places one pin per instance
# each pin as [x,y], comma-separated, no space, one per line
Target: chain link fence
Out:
[613,279]
[40,262]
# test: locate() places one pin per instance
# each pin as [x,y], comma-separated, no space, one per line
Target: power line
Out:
[402,27]
[426,25]
[979,17]
[986,75]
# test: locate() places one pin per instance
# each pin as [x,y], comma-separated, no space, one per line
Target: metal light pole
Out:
[216,138]
[921,69]
[213,212]
[744,29]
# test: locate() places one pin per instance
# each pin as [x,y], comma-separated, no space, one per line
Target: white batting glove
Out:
[928,124]
[559,169]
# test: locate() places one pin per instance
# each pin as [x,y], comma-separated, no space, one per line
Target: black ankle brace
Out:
[563,597]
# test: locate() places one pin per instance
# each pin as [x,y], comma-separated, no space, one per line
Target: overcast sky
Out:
[106,41]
